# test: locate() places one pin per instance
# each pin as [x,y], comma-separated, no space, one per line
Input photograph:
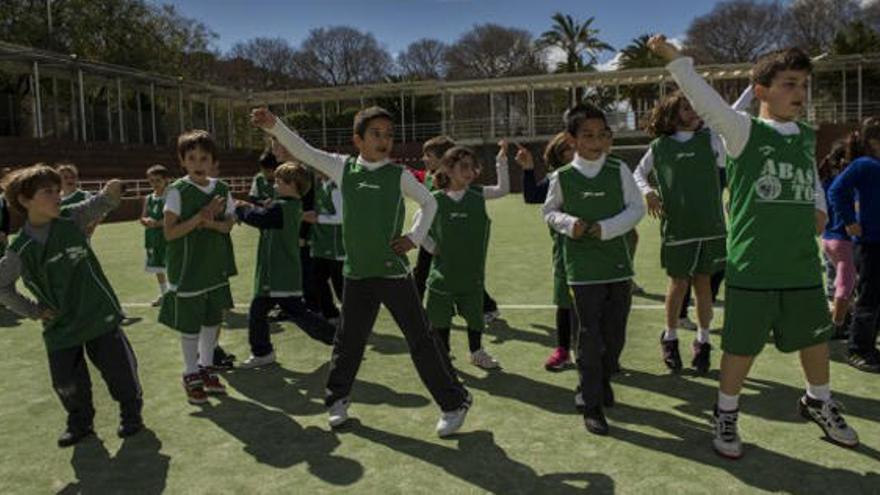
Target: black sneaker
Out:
[701,361]
[826,414]
[71,437]
[671,357]
[726,442]
[594,421]
[223,360]
[129,429]
[869,362]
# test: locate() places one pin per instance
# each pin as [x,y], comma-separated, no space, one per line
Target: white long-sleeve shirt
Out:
[617,225]
[734,127]
[333,165]
[501,189]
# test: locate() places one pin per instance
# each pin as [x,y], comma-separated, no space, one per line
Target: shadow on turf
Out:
[551,398]
[501,332]
[275,439]
[759,468]
[138,466]
[479,461]
[8,318]
[302,394]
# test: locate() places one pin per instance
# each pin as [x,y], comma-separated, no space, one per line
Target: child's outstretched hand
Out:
[663,48]
[261,117]
[402,245]
[502,149]
[113,188]
[524,157]
[655,204]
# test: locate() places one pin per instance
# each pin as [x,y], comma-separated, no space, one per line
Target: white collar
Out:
[372,165]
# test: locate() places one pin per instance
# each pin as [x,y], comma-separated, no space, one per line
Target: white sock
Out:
[727,403]
[163,288]
[189,344]
[703,335]
[820,392]
[207,343]
[670,334]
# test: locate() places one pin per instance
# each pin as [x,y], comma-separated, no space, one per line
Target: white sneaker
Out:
[726,441]
[338,413]
[481,359]
[827,415]
[258,361]
[450,422]
[686,323]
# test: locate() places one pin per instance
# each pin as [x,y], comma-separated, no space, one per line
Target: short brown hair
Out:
[296,174]
[438,145]
[454,156]
[772,63]
[66,167]
[363,118]
[159,170]
[26,181]
[664,116]
[196,138]
[555,151]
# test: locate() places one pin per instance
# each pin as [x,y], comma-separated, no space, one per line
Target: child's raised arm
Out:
[708,104]
[92,210]
[329,164]
[502,188]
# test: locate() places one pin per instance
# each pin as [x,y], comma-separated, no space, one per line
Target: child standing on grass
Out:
[199,213]
[837,246]
[376,268]
[774,278]
[152,218]
[862,177]
[277,277]
[432,154]
[328,252]
[75,302]
[459,241]
[594,203]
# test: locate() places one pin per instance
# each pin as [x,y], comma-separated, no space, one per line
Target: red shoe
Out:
[194,388]
[212,382]
[559,360]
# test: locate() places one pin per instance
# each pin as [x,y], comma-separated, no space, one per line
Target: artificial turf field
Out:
[523,434]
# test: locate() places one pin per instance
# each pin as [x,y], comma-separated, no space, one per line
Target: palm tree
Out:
[637,55]
[578,40]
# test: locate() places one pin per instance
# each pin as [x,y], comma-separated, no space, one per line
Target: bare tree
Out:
[341,55]
[812,24]
[423,59]
[490,50]
[271,54]
[735,31]
[872,13]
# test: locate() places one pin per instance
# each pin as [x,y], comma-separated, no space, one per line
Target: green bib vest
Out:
[155,236]
[461,235]
[263,187]
[326,239]
[278,264]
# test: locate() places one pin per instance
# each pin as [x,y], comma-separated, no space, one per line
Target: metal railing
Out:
[139,188]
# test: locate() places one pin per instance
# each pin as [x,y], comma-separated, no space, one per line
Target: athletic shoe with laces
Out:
[559,359]
[702,352]
[71,437]
[671,356]
[223,360]
[195,389]
[211,382]
[258,361]
[481,359]
[826,414]
[451,421]
[337,415]
[686,323]
[595,422]
[726,442]
[869,362]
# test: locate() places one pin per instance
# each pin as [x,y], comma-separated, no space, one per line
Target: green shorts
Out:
[798,318]
[442,306]
[189,314]
[155,259]
[698,257]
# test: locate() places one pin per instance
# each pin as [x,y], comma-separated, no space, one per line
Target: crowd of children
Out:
[333,225]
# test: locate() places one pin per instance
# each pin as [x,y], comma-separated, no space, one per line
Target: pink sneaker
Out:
[558,360]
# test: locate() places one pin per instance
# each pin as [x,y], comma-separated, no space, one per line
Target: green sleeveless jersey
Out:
[429,181]
[75,197]
[690,187]
[261,188]
[326,239]
[589,260]
[372,217]
[772,243]
[201,260]
[461,234]
[64,275]
[278,265]
[155,236]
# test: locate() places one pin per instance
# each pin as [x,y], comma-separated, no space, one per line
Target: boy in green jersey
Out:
[376,267]
[262,186]
[152,218]
[774,277]
[78,307]
[593,202]
[277,277]
[199,213]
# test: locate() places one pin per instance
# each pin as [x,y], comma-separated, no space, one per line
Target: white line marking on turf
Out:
[500,306]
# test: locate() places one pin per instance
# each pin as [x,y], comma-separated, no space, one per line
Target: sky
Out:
[396,23]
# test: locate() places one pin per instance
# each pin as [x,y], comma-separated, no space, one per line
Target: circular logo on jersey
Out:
[768,187]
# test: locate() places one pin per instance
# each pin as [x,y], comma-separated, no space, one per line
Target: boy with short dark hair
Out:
[78,307]
[262,186]
[376,267]
[774,276]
